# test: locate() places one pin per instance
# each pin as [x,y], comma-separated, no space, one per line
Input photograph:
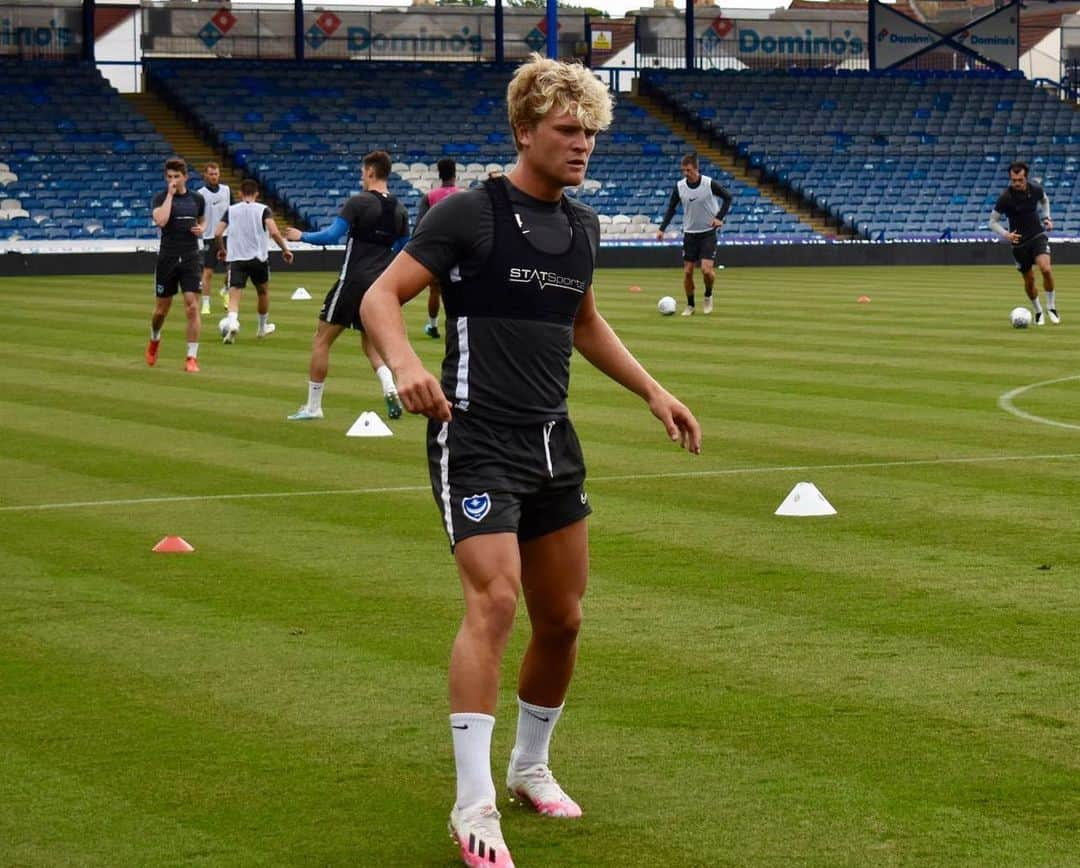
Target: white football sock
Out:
[314,395]
[1050,299]
[1035,304]
[193,349]
[472,757]
[433,321]
[234,319]
[534,728]
[155,334]
[386,379]
[264,318]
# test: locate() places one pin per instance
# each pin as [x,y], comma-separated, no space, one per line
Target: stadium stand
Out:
[301,130]
[895,156]
[77,161]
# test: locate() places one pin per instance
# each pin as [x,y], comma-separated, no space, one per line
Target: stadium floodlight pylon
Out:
[805,499]
[368,424]
[174,544]
[300,294]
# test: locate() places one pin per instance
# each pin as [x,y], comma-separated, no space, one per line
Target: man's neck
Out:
[534,185]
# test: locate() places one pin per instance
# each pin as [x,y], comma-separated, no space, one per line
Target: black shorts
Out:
[177,274]
[342,304]
[240,271]
[209,255]
[698,245]
[1025,252]
[492,478]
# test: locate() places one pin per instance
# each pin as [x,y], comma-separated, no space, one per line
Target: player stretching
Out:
[1028,210]
[374,221]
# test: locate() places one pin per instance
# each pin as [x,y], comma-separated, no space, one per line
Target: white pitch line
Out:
[412,489]
[1005,402]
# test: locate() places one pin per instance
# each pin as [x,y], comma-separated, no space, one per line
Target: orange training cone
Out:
[864,299]
[174,544]
[635,289]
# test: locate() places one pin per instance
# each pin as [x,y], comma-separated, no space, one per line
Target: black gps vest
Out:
[384,232]
[510,327]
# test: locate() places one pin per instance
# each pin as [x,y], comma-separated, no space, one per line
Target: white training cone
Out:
[805,499]
[369,424]
[300,294]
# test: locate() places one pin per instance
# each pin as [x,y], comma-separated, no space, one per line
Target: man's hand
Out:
[221,253]
[1048,223]
[679,422]
[421,393]
[287,256]
[659,234]
[717,223]
[292,234]
[1014,237]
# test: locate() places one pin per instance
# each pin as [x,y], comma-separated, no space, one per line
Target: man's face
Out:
[558,148]
[1018,180]
[177,181]
[691,173]
[212,174]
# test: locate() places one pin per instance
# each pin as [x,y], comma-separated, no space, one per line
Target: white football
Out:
[223,326]
[666,306]
[1020,317]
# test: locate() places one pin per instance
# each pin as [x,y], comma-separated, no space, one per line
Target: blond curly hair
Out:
[542,85]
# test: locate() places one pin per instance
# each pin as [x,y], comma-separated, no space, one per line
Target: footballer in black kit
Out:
[1028,209]
[1022,208]
[376,221]
[514,270]
[179,262]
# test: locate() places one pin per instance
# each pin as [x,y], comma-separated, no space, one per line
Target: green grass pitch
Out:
[898,684]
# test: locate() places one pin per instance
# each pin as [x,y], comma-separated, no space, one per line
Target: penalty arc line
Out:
[1005,402]
[630,477]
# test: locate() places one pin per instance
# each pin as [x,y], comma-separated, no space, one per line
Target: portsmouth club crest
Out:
[477,506]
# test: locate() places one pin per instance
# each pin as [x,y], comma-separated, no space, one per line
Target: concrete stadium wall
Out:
[16,264]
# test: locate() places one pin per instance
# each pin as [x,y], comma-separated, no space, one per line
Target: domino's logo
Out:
[721,26]
[324,27]
[217,27]
[535,39]
[476,507]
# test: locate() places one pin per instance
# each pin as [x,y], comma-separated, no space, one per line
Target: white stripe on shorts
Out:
[444,479]
[461,390]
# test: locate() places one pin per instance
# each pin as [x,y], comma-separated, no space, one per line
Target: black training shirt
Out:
[460,231]
[511,293]
[176,236]
[1022,209]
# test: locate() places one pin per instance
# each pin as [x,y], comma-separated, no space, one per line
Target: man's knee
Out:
[560,626]
[493,608]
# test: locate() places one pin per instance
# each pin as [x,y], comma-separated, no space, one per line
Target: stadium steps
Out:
[799,209]
[187,143]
